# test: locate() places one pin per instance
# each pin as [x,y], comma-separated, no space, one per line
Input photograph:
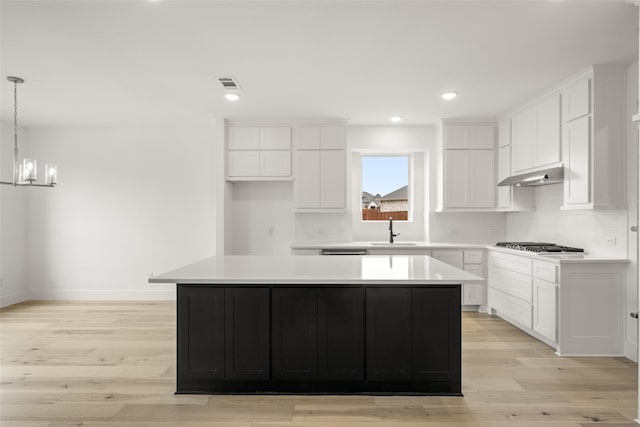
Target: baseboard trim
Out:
[14,298]
[102,295]
[631,351]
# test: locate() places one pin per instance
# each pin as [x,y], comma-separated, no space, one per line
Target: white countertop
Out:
[561,258]
[382,244]
[327,270]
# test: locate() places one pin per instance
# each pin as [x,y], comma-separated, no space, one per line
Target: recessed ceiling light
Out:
[449,95]
[232,96]
[395,119]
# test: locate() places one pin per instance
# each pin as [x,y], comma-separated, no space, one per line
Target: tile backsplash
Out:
[599,232]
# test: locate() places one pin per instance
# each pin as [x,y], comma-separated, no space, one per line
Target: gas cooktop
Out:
[540,248]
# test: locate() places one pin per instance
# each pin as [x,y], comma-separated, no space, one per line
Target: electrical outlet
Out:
[271,229]
[610,241]
[492,232]
[453,232]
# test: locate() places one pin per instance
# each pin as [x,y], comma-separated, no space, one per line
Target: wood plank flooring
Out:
[112,364]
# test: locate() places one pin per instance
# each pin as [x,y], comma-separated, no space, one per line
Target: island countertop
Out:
[327,270]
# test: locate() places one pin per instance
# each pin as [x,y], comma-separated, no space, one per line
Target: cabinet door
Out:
[524,136]
[333,179]
[247,340]
[504,133]
[333,138]
[307,181]
[456,137]
[275,138]
[472,293]
[436,320]
[482,137]
[456,179]
[389,334]
[482,179]
[244,138]
[548,141]
[451,257]
[294,328]
[577,157]
[544,309]
[307,138]
[577,100]
[200,333]
[504,171]
[244,163]
[341,333]
[275,163]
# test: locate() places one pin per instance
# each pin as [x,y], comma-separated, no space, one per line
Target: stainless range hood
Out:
[533,179]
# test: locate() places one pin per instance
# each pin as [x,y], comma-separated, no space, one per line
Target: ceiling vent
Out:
[229,83]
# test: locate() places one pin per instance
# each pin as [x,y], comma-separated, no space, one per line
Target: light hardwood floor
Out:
[113,364]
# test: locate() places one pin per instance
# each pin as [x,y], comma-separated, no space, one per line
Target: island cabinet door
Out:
[200,333]
[388,334]
[436,334]
[294,328]
[247,340]
[341,333]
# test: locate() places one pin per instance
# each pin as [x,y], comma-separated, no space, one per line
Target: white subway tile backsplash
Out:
[588,229]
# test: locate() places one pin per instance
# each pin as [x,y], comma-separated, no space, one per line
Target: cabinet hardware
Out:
[634,315]
[634,228]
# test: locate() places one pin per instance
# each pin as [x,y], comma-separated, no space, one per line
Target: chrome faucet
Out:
[391,235]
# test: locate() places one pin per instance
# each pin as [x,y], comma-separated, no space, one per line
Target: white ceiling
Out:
[104,63]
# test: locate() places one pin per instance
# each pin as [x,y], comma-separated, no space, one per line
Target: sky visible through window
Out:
[382,175]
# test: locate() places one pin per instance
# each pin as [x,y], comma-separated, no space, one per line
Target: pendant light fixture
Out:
[25,174]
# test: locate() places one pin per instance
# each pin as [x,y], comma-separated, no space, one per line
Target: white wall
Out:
[262,218]
[130,201]
[13,223]
[588,229]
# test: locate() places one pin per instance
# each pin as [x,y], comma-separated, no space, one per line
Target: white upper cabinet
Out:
[524,134]
[548,142]
[469,137]
[320,167]
[275,138]
[469,166]
[504,171]
[244,138]
[577,99]
[594,139]
[259,152]
[320,138]
[536,135]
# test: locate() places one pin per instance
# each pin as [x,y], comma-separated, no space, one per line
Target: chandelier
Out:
[25,174]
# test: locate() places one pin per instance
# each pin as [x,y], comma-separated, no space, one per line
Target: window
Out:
[385,188]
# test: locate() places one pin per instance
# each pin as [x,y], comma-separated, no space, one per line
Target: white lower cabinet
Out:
[471,261]
[575,307]
[544,309]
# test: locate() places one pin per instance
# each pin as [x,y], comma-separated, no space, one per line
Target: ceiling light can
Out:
[449,95]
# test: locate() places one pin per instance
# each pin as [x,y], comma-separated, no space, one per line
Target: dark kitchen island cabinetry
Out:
[337,336]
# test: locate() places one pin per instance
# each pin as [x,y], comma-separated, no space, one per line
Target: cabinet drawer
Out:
[512,262]
[511,283]
[513,308]
[545,271]
[472,257]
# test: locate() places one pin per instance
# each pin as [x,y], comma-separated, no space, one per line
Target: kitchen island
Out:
[287,324]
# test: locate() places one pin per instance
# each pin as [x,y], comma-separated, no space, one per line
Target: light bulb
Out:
[449,95]
[232,96]
[396,119]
